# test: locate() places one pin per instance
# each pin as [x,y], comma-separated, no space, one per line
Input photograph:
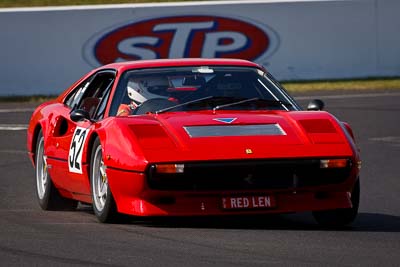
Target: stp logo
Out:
[182,36]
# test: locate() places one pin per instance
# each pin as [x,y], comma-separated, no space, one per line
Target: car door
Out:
[67,139]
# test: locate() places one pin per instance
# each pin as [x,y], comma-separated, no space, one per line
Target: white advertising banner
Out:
[44,50]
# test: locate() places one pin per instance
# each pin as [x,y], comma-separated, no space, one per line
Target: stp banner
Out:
[44,50]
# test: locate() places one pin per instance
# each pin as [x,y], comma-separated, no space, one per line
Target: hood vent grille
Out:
[234,130]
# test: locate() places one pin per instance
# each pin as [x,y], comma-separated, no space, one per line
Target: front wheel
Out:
[340,217]
[103,202]
[47,195]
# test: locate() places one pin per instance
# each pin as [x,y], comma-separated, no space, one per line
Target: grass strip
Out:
[36,3]
[337,85]
[32,98]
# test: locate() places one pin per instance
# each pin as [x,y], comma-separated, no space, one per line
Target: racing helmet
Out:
[140,91]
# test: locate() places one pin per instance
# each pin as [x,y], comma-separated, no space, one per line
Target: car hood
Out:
[228,135]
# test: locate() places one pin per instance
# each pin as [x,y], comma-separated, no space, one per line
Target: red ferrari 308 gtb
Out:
[191,137]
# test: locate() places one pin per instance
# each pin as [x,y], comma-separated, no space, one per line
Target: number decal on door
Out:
[76,149]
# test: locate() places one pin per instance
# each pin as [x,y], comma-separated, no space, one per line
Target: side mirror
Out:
[316,105]
[79,115]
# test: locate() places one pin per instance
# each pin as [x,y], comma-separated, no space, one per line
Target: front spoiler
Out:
[133,197]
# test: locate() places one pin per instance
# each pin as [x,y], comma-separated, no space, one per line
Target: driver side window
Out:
[73,99]
[92,94]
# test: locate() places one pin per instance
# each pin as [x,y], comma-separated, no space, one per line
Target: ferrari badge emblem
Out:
[249,151]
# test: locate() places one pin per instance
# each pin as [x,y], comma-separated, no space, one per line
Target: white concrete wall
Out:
[44,50]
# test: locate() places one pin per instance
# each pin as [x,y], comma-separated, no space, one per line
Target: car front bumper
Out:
[134,197]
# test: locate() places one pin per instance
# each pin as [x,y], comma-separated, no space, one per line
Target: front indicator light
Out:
[170,168]
[359,164]
[333,163]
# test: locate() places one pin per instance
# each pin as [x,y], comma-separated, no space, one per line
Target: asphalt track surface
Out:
[32,237]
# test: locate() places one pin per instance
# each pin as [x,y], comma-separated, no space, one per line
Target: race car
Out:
[191,137]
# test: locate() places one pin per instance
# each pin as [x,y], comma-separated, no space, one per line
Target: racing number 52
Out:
[76,149]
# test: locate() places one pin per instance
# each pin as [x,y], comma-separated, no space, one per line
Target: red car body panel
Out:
[131,144]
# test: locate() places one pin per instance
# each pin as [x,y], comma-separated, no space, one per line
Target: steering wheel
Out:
[153,105]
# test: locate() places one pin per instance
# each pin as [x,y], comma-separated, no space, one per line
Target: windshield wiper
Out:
[199,100]
[268,101]
[184,104]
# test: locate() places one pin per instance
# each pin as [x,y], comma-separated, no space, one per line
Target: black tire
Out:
[103,203]
[340,217]
[46,193]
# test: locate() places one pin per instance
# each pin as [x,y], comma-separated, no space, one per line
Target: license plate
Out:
[248,202]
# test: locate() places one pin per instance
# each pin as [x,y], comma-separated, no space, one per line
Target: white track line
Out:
[13,127]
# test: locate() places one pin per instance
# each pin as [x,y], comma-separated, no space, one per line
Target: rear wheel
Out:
[340,217]
[104,205]
[47,195]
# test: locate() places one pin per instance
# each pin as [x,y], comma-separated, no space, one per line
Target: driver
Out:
[138,92]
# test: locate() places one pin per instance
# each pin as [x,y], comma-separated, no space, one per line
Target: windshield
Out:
[198,88]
